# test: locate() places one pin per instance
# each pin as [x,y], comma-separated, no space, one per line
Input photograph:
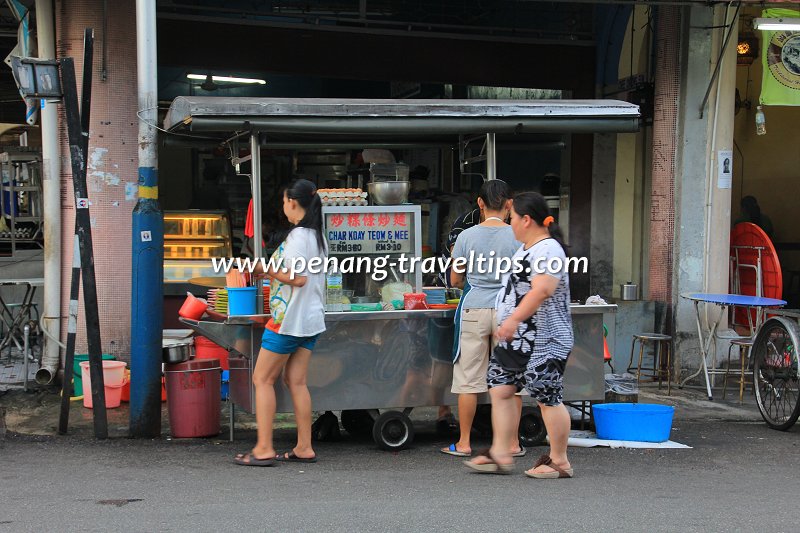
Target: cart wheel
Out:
[775,372]
[393,431]
[531,427]
[357,422]
[326,428]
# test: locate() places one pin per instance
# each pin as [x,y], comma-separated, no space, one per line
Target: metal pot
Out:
[389,192]
[629,291]
[178,352]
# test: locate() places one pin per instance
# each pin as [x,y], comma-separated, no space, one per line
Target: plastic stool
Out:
[660,342]
[745,344]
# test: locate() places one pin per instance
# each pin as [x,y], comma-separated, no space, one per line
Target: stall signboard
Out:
[369,233]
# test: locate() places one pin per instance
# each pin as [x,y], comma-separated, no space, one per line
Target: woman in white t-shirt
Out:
[298,318]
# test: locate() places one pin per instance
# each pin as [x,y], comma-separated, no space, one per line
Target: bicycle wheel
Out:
[775,376]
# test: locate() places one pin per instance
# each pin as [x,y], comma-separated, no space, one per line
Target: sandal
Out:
[492,467]
[290,457]
[452,450]
[557,472]
[521,453]
[248,459]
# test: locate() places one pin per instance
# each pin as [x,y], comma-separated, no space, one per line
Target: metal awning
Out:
[290,119]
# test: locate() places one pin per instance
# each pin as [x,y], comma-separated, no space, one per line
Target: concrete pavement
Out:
[738,476]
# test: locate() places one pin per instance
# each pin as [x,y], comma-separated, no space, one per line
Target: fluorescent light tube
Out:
[229,79]
[779,24]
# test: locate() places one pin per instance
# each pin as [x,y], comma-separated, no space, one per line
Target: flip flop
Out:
[521,453]
[247,459]
[451,450]
[492,467]
[557,472]
[290,457]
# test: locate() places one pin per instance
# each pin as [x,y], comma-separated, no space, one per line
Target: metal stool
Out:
[13,309]
[745,344]
[658,371]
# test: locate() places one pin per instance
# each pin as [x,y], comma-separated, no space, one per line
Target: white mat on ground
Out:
[588,439]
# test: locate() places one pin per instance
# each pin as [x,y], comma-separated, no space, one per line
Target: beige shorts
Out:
[477,340]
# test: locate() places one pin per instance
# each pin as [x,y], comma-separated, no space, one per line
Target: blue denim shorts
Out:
[286,344]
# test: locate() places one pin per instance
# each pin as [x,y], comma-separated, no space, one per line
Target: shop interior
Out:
[765,167]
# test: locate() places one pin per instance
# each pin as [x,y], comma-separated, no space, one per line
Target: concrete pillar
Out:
[602,243]
[112,162]
[702,209]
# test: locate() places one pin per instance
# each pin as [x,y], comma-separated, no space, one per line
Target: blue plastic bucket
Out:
[241,300]
[643,422]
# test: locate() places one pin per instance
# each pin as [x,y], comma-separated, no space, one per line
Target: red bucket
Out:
[193,389]
[193,307]
[206,349]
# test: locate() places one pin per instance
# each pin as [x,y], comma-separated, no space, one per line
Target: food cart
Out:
[376,366]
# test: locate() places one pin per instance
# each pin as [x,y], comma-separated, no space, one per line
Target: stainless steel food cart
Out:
[396,360]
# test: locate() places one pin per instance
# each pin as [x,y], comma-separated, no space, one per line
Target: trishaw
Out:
[775,368]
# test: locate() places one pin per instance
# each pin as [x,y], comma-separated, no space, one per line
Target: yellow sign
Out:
[781,62]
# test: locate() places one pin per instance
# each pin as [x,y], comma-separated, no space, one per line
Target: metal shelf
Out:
[21,179]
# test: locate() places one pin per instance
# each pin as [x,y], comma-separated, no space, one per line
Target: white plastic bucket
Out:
[113,379]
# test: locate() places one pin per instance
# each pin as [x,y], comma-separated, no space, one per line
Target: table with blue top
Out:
[723,301]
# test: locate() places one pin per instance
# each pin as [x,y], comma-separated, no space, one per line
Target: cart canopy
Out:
[432,120]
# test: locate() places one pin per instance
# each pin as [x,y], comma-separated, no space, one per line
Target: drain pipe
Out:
[51,166]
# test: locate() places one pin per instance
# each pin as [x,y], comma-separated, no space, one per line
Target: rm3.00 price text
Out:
[344,247]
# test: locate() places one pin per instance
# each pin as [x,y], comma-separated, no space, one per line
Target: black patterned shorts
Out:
[544,382]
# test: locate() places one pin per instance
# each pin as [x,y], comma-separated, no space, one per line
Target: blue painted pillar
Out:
[147,308]
[147,298]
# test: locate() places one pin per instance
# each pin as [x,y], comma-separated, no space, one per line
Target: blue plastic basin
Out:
[644,422]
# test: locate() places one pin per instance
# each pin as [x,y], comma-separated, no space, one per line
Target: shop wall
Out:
[631,187]
[112,163]
[768,166]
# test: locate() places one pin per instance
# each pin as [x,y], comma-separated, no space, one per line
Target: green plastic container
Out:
[77,379]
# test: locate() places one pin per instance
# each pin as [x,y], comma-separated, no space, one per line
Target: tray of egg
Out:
[333,197]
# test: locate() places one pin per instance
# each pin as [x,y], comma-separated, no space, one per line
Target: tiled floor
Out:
[12,369]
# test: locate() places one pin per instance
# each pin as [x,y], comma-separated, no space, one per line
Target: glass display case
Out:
[385,238]
[191,239]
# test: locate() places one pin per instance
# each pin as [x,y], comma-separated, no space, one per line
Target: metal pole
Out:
[147,243]
[84,229]
[72,330]
[491,157]
[255,164]
[75,282]
[255,177]
[51,193]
